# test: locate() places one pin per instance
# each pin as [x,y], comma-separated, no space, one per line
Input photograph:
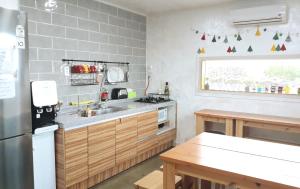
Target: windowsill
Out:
[249,96]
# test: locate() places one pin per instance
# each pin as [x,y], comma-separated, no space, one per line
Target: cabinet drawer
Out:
[101,147]
[147,115]
[76,156]
[167,136]
[144,146]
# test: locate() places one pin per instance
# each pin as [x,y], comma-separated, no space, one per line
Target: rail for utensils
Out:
[86,72]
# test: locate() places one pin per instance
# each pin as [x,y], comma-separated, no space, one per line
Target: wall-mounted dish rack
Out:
[94,72]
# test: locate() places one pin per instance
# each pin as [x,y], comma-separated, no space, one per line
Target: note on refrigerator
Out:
[7,86]
[7,75]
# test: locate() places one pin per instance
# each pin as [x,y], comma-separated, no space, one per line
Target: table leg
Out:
[169,175]
[229,127]
[239,128]
[200,125]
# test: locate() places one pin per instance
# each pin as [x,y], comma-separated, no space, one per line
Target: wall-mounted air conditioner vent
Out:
[260,15]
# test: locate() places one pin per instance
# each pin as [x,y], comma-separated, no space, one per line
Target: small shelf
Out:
[162,122]
[165,129]
[86,72]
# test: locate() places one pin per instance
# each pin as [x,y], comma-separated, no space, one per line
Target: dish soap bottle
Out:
[167,91]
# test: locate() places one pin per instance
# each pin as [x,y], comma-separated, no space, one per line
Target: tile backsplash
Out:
[88,30]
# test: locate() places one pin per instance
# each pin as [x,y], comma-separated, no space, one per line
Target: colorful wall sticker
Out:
[203,38]
[214,39]
[273,49]
[278,48]
[288,38]
[283,48]
[243,35]
[239,37]
[233,49]
[229,50]
[199,51]
[226,39]
[258,33]
[202,50]
[250,49]
[276,36]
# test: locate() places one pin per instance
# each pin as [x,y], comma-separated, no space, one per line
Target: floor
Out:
[126,179]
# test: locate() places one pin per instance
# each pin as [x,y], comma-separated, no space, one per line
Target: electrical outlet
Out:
[67,71]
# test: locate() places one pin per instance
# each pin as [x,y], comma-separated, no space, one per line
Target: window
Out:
[277,76]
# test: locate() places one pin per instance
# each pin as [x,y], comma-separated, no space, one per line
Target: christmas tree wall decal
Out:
[229,50]
[258,33]
[288,38]
[278,48]
[203,51]
[233,49]
[199,51]
[250,49]
[283,48]
[276,36]
[239,38]
[203,38]
[214,39]
[226,39]
[273,49]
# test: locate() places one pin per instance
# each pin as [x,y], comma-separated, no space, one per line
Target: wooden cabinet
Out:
[126,139]
[90,155]
[147,124]
[147,128]
[101,147]
[71,157]
[76,156]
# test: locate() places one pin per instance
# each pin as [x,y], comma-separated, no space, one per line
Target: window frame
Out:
[239,94]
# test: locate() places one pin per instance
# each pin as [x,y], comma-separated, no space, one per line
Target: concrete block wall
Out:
[84,29]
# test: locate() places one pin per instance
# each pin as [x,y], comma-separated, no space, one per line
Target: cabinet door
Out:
[101,147]
[76,156]
[147,124]
[147,145]
[126,139]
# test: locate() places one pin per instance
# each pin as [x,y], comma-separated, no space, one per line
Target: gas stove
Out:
[154,99]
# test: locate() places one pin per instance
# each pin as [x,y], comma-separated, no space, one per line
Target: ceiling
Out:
[159,6]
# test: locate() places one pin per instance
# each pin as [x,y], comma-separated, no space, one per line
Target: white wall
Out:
[10,4]
[171,51]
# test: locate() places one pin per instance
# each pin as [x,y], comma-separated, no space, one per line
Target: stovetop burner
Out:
[153,100]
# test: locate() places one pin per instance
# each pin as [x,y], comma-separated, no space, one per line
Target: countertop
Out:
[69,121]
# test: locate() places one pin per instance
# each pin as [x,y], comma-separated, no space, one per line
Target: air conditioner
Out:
[260,15]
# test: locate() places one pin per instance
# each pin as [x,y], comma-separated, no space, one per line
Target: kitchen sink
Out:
[109,109]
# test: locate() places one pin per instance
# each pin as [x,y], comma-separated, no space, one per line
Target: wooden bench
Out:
[214,116]
[154,180]
[268,122]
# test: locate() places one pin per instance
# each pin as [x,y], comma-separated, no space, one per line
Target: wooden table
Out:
[233,161]
[284,124]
